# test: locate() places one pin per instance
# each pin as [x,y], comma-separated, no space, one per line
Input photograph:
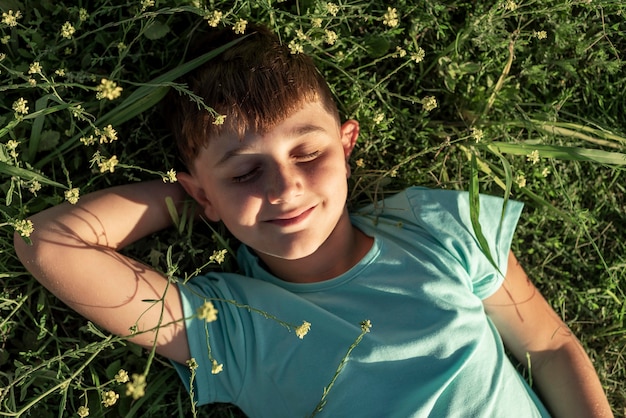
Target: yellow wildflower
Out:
[83,15]
[218,256]
[533,157]
[72,195]
[477,134]
[360,163]
[219,120]
[510,5]
[12,145]
[136,388]
[207,312]
[301,35]
[366,325]
[192,363]
[121,376]
[108,90]
[216,367]
[303,329]
[240,27]
[83,412]
[88,140]
[316,23]
[10,18]
[109,398]
[400,52]
[146,3]
[295,47]
[170,176]
[419,55]
[429,103]
[332,8]
[542,34]
[24,227]
[67,30]
[391,17]
[35,68]
[520,180]
[34,187]
[214,18]
[108,165]
[108,133]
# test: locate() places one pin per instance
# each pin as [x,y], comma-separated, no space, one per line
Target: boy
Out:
[405,274]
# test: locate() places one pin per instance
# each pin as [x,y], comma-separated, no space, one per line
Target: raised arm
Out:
[561,370]
[74,253]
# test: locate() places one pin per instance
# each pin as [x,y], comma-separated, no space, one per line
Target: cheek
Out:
[241,208]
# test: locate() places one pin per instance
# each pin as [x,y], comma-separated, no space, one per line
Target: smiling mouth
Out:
[292,220]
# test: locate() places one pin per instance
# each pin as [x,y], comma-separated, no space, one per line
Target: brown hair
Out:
[255,84]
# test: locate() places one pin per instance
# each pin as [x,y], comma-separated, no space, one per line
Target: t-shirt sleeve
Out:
[208,341]
[442,217]
[241,337]
[448,215]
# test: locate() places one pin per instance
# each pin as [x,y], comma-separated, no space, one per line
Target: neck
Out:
[342,251]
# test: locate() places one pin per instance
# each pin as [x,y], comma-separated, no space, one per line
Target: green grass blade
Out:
[474,199]
[574,130]
[130,107]
[561,152]
[43,112]
[10,170]
[508,178]
[35,132]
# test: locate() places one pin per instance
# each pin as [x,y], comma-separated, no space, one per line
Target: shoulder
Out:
[440,209]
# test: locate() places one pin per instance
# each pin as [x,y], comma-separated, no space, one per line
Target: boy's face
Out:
[282,193]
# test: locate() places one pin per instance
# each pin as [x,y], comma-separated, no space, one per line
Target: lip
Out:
[292,218]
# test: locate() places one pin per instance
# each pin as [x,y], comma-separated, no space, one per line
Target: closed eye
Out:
[246,177]
[308,157]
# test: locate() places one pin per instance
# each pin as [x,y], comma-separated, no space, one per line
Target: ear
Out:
[349,135]
[195,190]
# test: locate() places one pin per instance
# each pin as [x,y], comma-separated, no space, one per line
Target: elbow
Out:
[22,246]
[30,252]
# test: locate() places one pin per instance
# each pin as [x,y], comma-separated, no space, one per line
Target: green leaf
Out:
[376,45]
[156,30]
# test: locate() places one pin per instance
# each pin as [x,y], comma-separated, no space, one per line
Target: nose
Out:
[284,184]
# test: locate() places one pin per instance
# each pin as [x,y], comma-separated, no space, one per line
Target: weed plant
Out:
[524,99]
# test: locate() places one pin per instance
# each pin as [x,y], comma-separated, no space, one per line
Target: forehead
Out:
[311,117]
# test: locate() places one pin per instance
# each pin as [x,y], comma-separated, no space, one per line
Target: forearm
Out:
[560,368]
[568,383]
[69,237]
[111,218]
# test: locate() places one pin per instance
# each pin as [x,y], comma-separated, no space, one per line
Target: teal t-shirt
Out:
[431,350]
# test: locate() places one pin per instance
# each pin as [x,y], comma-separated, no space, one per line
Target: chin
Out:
[292,252]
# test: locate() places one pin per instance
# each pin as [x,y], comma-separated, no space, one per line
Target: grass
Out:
[529,101]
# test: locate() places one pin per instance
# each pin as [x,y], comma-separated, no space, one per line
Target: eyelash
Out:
[245,177]
[309,157]
[251,174]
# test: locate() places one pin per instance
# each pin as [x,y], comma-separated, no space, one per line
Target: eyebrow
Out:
[296,132]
